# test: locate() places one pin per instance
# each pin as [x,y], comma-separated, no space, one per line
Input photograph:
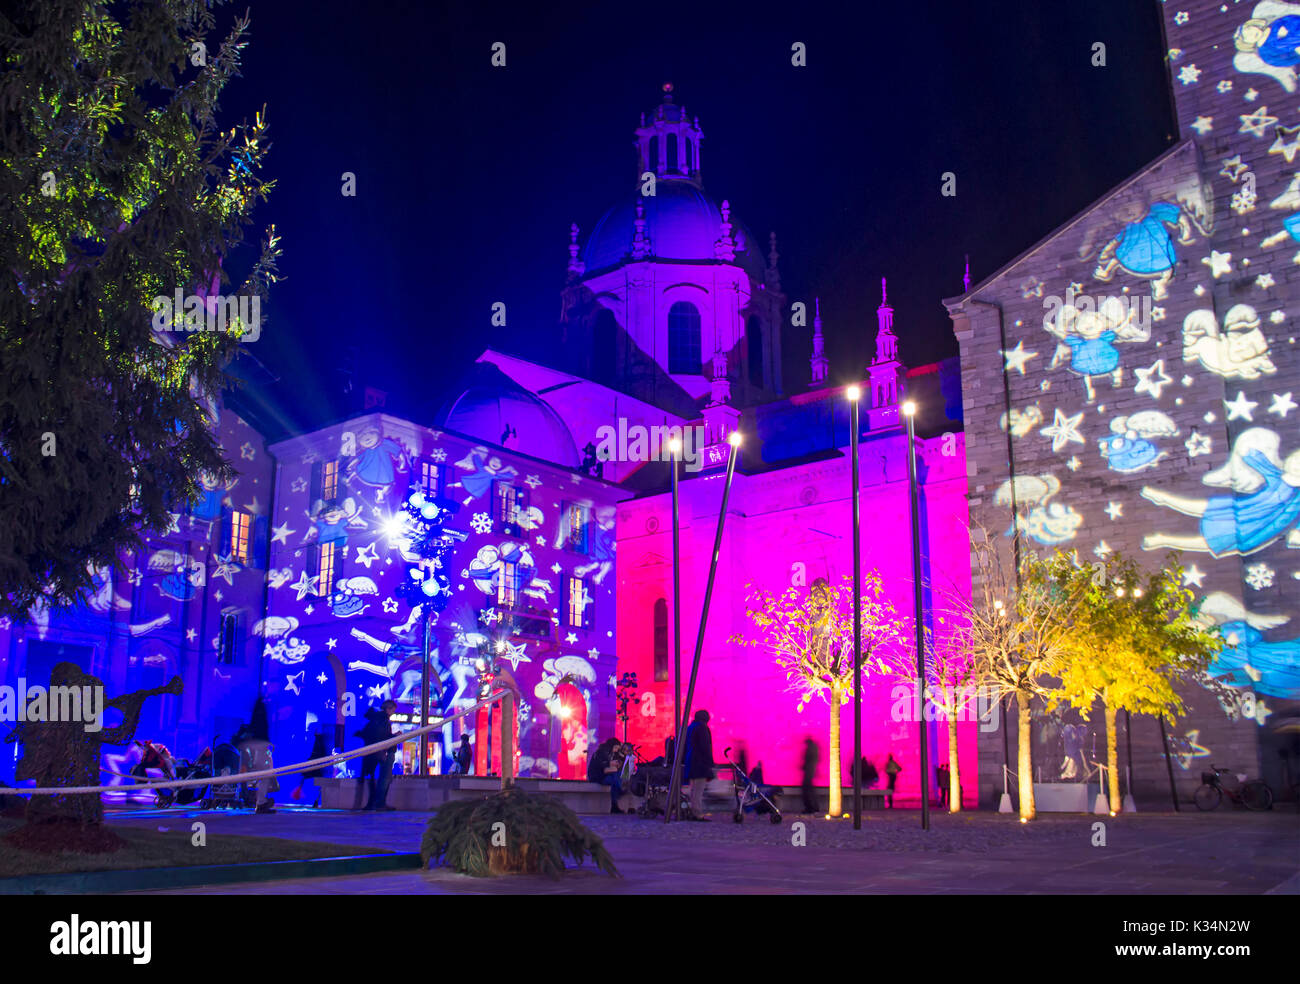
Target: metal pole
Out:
[675,786]
[677,597]
[424,696]
[1169,763]
[920,634]
[857,618]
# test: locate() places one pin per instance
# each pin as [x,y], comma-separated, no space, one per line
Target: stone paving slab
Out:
[974,853]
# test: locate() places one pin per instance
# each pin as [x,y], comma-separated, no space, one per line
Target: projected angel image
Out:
[1144,247]
[377,462]
[1130,449]
[1269,43]
[481,470]
[1239,351]
[1087,338]
[1046,521]
[1246,660]
[1263,506]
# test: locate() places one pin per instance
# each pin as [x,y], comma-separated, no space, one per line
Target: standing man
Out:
[699,761]
[892,769]
[811,756]
[377,769]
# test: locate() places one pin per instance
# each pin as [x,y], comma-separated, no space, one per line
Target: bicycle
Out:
[1254,794]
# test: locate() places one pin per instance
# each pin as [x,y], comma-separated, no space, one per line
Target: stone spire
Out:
[772,276]
[640,240]
[885,372]
[725,246]
[576,267]
[886,341]
[965,280]
[820,364]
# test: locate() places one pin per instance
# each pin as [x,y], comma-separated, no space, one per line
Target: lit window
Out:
[430,478]
[504,502]
[241,545]
[508,586]
[578,600]
[329,480]
[577,520]
[684,339]
[326,567]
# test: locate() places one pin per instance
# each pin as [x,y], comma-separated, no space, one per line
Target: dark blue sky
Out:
[468,176]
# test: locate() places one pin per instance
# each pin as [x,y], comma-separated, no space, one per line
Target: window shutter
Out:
[565,594]
[224,548]
[260,558]
[588,609]
[315,486]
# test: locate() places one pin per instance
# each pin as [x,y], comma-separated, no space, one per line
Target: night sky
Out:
[468,176]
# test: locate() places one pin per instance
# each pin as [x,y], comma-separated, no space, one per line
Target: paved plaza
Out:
[974,853]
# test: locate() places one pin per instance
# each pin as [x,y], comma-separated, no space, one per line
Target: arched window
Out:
[754,342]
[684,338]
[672,152]
[604,342]
[653,163]
[689,164]
[661,640]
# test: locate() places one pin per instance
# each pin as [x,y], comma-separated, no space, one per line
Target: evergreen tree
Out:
[117,187]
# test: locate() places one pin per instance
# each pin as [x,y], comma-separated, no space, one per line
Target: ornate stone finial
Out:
[820,364]
[668,92]
[965,280]
[725,246]
[576,267]
[721,388]
[772,277]
[640,241]
[884,294]
[886,342]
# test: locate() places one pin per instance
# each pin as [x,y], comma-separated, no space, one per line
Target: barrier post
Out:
[507,740]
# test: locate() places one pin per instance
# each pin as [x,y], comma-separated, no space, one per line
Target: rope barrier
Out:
[281,770]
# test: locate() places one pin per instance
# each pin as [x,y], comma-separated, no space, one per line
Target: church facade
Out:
[1131,384]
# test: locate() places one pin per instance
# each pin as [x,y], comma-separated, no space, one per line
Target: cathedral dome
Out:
[496,410]
[682,222]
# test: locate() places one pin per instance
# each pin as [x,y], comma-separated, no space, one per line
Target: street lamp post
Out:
[909,411]
[675,446]
[854,394]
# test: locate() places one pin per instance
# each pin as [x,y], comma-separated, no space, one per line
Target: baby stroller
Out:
[226,795]
[749,795]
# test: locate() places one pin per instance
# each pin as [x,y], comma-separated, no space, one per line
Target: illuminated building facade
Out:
[1131,384]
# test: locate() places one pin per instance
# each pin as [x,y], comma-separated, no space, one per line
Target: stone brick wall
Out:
[1102,431]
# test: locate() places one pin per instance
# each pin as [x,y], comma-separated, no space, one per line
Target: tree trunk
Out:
[1025,762]
[1112,757]
[954,771]
[836,805]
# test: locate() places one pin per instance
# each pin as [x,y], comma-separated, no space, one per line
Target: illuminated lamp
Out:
[853,393]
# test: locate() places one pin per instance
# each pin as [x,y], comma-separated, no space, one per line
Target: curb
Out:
[144,879]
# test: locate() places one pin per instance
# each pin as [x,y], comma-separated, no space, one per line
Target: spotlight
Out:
[854,393]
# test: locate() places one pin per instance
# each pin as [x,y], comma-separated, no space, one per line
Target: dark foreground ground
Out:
[1229,852]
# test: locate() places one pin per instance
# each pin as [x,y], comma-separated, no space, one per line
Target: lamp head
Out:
[854,393]
[909,408]
[675,445]
[734,439]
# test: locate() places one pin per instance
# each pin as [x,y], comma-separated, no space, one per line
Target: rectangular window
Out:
[576,519]
[240,536]
[430,478]
[576,602]
[329,480]
[661,640]
[327,563]
[508,586]
[509,507]
[228,640]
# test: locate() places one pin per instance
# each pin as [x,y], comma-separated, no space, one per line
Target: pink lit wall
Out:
[791,523]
